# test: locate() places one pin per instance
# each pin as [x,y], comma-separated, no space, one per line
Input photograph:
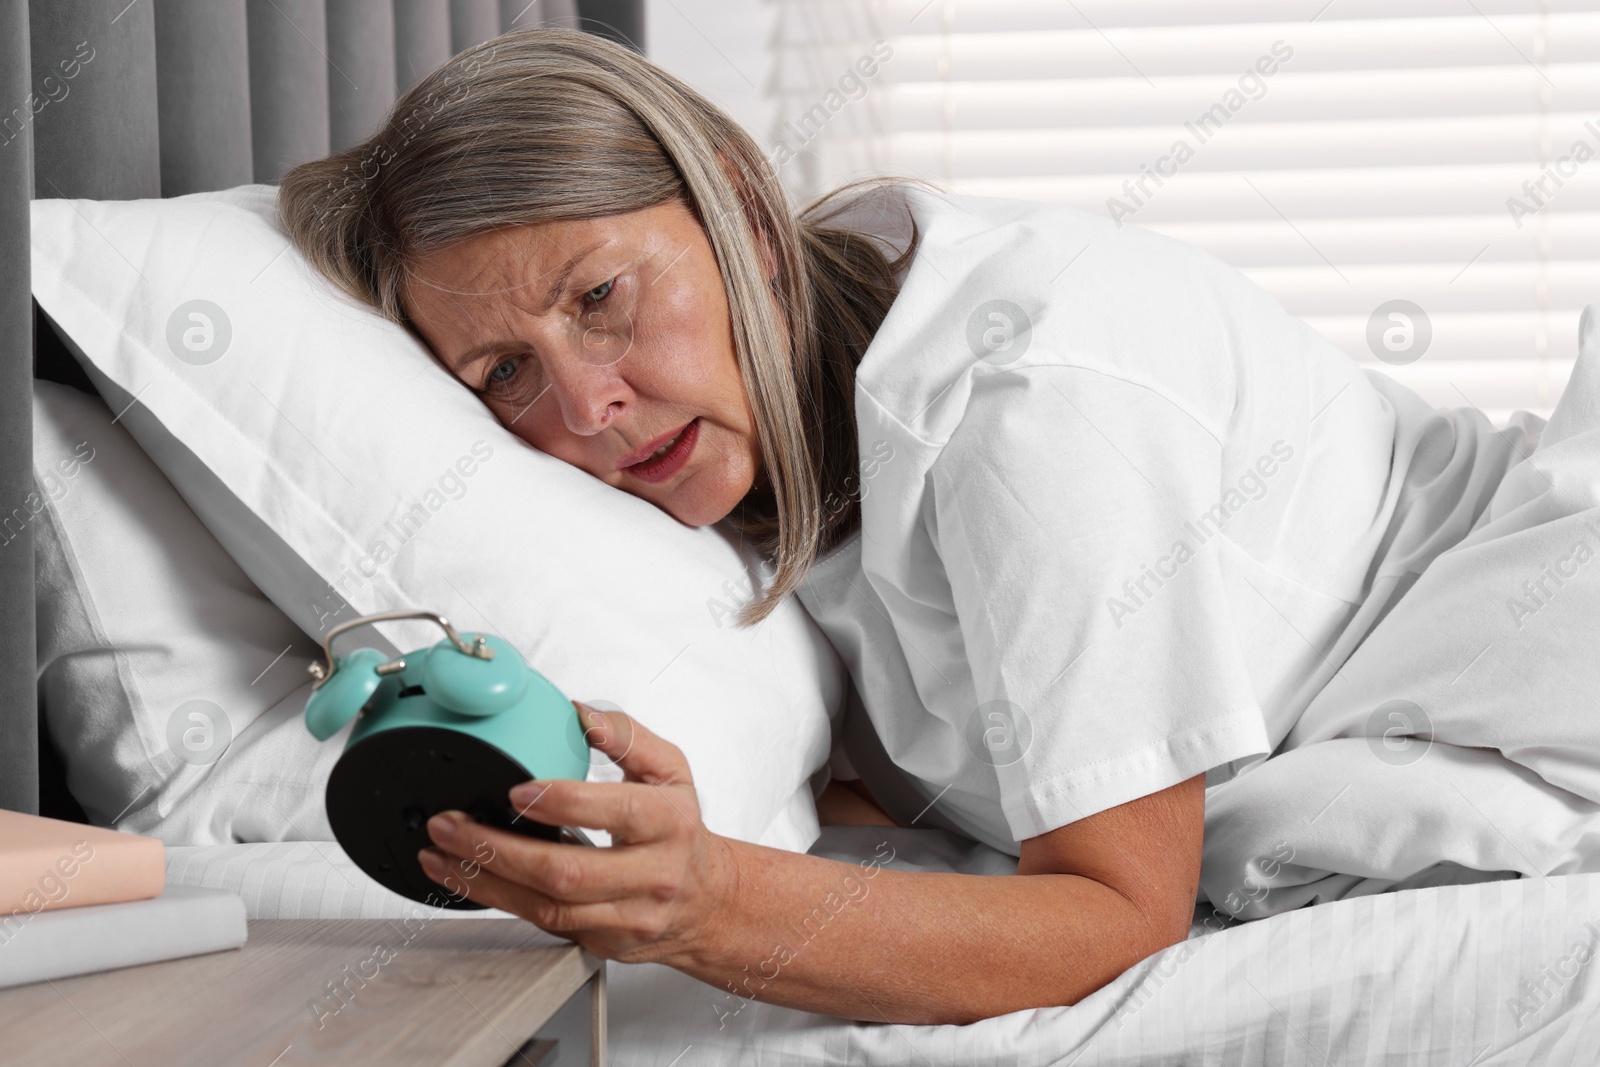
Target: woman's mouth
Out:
[667,459]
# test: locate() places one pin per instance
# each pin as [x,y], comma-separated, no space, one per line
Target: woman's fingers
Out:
[655,889]
[570,873]
[485,887]
[629,811]
[642,755]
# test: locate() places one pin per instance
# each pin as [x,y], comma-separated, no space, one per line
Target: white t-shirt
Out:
[1122,515]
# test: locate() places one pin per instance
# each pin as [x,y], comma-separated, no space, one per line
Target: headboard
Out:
[128,99]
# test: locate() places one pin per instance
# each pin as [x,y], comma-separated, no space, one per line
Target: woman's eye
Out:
[502,371]
[599,292]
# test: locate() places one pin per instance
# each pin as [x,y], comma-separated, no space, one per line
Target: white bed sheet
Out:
[1494,973]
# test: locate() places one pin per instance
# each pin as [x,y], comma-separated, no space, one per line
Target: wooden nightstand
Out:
[467,992]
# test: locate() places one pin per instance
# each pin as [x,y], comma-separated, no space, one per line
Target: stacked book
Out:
[75,899]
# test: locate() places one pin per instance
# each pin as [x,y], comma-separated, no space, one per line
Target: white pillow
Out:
[172,687]
[347,473]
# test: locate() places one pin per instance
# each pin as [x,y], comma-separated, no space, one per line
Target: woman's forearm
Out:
[864,942]
[853,940]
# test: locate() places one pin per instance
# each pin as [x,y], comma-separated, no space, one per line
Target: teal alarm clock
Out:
[449,727]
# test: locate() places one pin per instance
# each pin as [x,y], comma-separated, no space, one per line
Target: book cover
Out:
[47,864]
[182,921]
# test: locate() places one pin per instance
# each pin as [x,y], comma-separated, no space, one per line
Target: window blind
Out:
[1417,179]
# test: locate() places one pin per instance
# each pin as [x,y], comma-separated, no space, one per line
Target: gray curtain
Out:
[19,736]
[178,96]
[203,95]
[422,39]
[472,22]
[111,100]
[288,42]
[620,20]
[96,137]
[361,76]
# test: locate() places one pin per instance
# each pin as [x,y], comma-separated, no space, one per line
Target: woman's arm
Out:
[1091,899]
[849,940]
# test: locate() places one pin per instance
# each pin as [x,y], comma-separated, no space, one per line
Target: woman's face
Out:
[606,343]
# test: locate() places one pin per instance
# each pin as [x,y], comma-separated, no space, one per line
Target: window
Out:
[1345,154]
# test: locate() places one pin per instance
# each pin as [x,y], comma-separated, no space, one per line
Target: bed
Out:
[1493,972]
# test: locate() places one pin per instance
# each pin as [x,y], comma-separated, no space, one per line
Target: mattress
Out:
[1498,972]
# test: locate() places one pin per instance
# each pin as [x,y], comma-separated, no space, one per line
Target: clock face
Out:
[387,785]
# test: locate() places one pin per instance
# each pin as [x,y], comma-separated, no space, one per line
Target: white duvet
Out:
[1463,735]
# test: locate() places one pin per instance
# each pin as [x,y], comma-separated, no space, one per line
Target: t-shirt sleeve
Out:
[1076,516]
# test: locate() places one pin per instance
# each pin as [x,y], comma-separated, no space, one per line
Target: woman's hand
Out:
[646,899]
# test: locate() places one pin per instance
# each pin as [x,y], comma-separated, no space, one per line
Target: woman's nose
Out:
[590,394]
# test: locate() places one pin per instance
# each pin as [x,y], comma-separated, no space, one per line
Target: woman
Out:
[1085,533]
